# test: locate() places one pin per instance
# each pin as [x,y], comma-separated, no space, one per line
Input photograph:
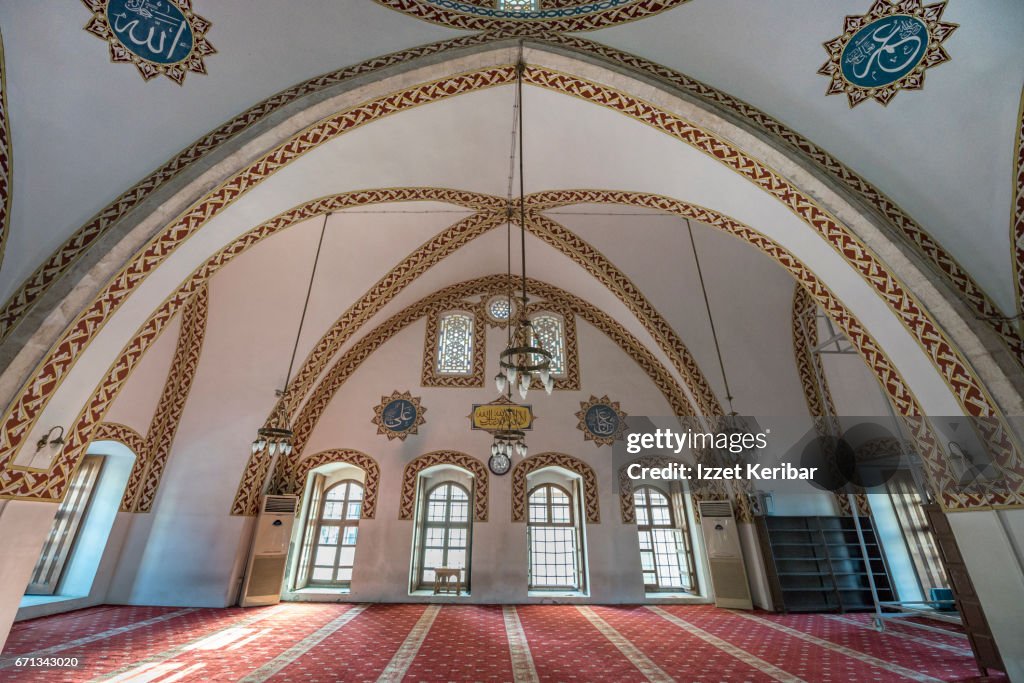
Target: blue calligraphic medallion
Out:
[157,36]
[886,50]
[601,421]
[398,415]
[154,30]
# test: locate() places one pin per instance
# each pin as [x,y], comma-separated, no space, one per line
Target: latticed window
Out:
[519,5]
[554,540]
[446,531]
[455,344]
[666,556]
[334,552]
[549,334]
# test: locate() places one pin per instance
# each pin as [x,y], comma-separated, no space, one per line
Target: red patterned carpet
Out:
[320,642]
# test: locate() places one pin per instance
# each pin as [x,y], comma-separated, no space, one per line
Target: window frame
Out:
[341,523]
[684,543]
[575,523]
[563,333]
[419,582]
[55,556]
[431,374]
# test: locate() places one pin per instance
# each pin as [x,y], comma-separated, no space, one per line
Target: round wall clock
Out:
[499,464]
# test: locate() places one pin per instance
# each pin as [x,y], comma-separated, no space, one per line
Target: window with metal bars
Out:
[333,553]
[554,540]
[666,553]
[446,530]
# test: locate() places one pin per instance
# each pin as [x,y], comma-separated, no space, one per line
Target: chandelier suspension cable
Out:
[520,69]
[276,435]
[711,319]
[305,305]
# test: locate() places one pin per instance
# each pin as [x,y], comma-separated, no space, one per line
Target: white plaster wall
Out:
[24,527]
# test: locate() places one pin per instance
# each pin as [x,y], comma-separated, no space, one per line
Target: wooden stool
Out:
[444,577]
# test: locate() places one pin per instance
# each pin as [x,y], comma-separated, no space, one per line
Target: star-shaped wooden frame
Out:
[588,435]
[385,401]
[934,53]
[99,26]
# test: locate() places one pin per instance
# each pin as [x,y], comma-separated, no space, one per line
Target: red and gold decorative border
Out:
[467,462]
[603,18]
[246,496]
[297,478]
[542,460]
[37,392]
[6,156]
[905,226]
[123,434]
[1017,211]
[51,270]
[16,307]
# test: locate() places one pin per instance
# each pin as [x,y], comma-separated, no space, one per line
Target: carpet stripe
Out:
[648,668]
[183,647]
[302,647]
[523,669]
[764,667]
[921,640]
[6,662]
[868,659]
[400,663]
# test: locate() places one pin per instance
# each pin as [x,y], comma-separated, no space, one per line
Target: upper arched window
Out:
[455,344]
[549,334]
[519,5]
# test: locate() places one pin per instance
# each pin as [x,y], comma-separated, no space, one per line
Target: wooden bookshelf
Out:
[815,564]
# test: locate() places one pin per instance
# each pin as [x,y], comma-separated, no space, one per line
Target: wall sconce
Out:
[48,438]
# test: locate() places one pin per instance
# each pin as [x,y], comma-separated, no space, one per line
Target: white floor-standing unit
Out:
[264,572]
[725,555]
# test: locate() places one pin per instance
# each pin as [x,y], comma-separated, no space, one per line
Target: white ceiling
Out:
[943,153]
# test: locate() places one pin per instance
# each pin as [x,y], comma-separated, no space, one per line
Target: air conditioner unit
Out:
[264,572]
[725,556]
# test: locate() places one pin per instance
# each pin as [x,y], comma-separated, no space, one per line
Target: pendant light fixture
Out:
[276,436]
[524,359]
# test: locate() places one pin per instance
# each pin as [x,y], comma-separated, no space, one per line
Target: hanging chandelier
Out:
[523,359]
[276,436]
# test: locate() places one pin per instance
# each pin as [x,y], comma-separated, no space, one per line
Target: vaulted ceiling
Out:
[84,129]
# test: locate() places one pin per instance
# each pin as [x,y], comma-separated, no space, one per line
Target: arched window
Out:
[445,532]
[334,552]
[549,334]
[518,5]
[666,555]
[554,539]
[455,344]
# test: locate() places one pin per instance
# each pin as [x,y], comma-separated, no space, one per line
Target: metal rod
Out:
[520,69]
[711,319]
[305,306]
